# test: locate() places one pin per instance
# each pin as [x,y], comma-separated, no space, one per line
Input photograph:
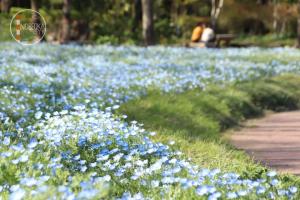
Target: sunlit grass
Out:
[196,119]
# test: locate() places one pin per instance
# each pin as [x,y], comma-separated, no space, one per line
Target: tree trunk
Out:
[137,16]
[275,17]
[263,2]
[283,27]
[5,6]
[216,6]
[298,24]
[66,22]
[148,32]
[36,19]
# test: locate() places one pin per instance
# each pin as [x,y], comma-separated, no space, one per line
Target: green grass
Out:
[197,119]
[269,40]
[5,34]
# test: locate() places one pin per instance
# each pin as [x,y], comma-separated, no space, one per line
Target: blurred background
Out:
[266,23]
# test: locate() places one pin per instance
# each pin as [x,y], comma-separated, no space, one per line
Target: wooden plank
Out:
[273,141]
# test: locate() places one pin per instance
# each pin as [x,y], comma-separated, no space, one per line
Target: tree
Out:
[5,6]
[66,22]
[137,14]
[262,2]
[36,18]
[298,25]
[216,6]
[147,18]
[275,16]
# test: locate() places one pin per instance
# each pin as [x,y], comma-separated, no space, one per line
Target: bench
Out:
[219,39]
[223,38]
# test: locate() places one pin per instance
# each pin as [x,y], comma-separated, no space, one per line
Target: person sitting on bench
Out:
[208,35]
[197,32]
[202,35]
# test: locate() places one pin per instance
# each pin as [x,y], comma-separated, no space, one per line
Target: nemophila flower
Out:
[271,173]
[231,195]
[202,190]
[77,140]
[154,183]
[117,157]
[17,194]
[33,143]
[214,172]
[15,161]
[82,141]
[38,115]
[293,189]
[94,164]
[260,190]
[274,182]
[29,182]
[281,192]
[87,194]
[203,172]
[82,162]
[44,178]
[211,189]
[242,192]
[152,133]
[6,141]
[6,154]
[23,158]
[63,188]
[77,157]
[214,196]
[107,178]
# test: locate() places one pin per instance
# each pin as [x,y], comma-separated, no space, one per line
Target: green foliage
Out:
[115,22]
[4,27]
[269,40]
[271,95]
[107,40]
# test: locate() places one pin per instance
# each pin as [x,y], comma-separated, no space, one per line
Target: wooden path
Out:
[274,141]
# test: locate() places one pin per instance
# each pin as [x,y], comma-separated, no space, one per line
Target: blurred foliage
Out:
[119,21]
[268,40]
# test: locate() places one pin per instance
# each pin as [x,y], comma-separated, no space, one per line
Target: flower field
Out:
[61,138]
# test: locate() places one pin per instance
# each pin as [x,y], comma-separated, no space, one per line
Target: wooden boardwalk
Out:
[274,141]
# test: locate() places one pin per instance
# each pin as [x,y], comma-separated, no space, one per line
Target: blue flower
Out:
[231,195]
[260,190]
[38,115]
[274,182]
[82,141]
[271,173]
[23,158]
[242,193]
[293,189]
[202,190]
[6,141]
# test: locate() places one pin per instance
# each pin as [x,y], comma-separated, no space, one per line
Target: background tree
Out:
[36,17]
[5,6]
[216,6]
[66,22]
[148,30]
[298,30]
[137,16]
[275,17]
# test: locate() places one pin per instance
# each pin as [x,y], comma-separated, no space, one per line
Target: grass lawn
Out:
[269,40]
[197,119]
